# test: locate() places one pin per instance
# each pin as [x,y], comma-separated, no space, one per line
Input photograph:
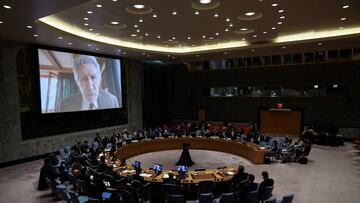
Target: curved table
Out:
[250,151]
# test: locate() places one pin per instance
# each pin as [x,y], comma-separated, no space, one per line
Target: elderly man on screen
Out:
[87,75]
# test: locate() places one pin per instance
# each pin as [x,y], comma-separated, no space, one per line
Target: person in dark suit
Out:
[267,182]
[87,75]
[47,171]
[240,176]
[185,158]
[248,187]
[102,167]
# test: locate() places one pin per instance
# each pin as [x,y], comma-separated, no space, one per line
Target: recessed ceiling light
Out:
[135,25]
[154,15]
[264,32]
[319,43]
[174,13]
[216,15]
[189,37]
[1,22]
[279,23]
[69,43]
[133,35]
[341,28]
[89,45]
[197,55]
[114,0]
[281,11]
[90,29]
[346,6]
[211,37]
[284,47]
[217,33]
[227,19]
[148,56]
[114,22]
[97,33]
[143,53]
[335,85]
[60,37]
[141,20]
[97,49]
[86,18]
[204,36]
[274,5]
[118,50]
[282,17]
[139,6]
[29,26]
[36,35]
[7,6]
[89,12]
[99,5]
[225,52]
[197,12]
[273,28]
[205,1]
[250,13]
[342,18]
[173,57]
[226,30]
[174,38]
[86,24]
[146,34]
[243,39]
[244,29]
[158,37]
[254,35]
[231,25]
[252,50]
[137,30]
[316,86]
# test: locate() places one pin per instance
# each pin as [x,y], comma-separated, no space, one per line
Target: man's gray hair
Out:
[84,59]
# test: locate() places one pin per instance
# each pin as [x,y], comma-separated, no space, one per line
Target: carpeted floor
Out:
[331,176]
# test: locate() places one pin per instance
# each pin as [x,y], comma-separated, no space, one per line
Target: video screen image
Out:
[75,82]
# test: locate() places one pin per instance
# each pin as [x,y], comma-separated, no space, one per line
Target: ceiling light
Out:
[274,5]
[335,85]
[89,45]
[316,86]
[124,53]
[86,24]
[264,32]
[174,13]
[135,25]
[173,57]
[226,30]
[173,38]
[114,22]
[250,13]
[29,26]
[225,52]
[279,23]
[89,12]
[211,38]
[99,5]
[133,35]
[204,36]
[97,49]
[252,50]
[231,25]
[197,12]
[86,18]
[282,17]
[143,53]
[1,22]
[205,1]
[146,34]
[69,43]
[319,43]
[193,45]
[141,20]
[114,0]
[118,50]
[60,37]
[346,6]
[254,35]
[342,18]
[217,33]
[281,11]
[158,37]
[188,37]
[244,29]
[7,6]
[341,28]
[227,19]
[273,28]
[36,35]
[216,15]
[139,6]
[284,47]
[137,30]
[148,56]
[154,15]
[90,29]
[243,39]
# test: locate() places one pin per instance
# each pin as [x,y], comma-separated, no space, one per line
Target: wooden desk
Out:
[249,151]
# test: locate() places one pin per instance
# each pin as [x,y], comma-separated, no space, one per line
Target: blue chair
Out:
[227,198]
[205,198]
[266,193]
[75,198]
[252,197]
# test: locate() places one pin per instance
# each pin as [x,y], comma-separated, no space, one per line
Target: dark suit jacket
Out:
[238,178]
[73,103]
[266,183]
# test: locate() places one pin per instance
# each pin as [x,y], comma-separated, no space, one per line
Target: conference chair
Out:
[127,197]
[271,200]
[176,199]
[205,198]
[206,187]
[83,187]
[75,198]
[52,186]
[62,193]
[266,193]
[142,190]
[286,199]
[252,197]
[227,198]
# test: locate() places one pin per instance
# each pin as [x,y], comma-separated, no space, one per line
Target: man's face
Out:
[89,82]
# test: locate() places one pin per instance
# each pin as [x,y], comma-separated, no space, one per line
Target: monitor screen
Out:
[76,82]
[137,164]
[106,195]
[158,168]
[182,169]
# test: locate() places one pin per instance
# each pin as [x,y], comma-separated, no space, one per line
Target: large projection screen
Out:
[75,82]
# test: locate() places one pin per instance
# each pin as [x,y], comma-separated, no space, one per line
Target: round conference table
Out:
[250,151]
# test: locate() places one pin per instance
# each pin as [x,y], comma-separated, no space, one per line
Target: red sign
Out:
[279,105]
